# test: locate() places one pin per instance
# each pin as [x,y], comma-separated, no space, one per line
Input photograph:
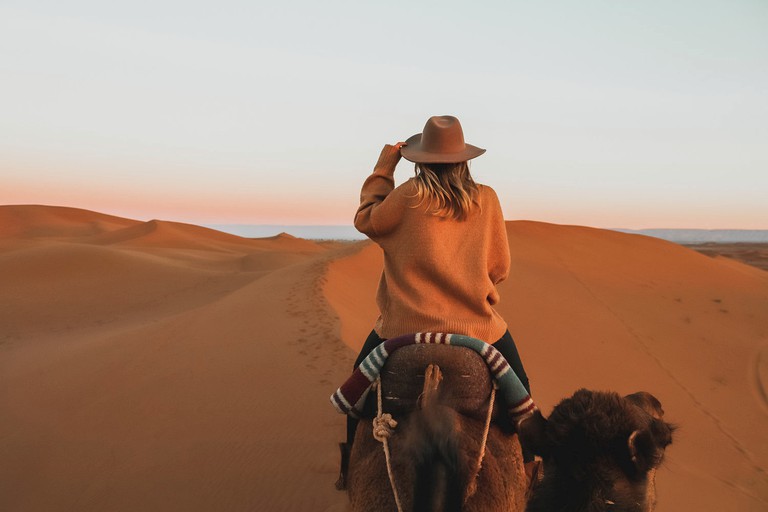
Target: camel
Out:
[448,429]
[600,450]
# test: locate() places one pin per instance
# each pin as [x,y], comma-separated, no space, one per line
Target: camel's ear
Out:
[646,446]
[532,434]
[647,402]
[632,444]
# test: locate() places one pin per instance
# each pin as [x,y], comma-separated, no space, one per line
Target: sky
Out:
[607,113]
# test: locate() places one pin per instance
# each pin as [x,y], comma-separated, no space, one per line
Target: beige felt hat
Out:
[441,142]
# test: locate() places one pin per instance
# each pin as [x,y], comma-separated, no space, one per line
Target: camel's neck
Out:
[561,495]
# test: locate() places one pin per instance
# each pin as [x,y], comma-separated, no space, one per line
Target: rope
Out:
[383,427]
[472,487]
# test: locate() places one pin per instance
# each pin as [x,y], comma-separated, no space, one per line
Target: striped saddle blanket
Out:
[350,398]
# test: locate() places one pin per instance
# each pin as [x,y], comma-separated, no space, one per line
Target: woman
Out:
[445,246]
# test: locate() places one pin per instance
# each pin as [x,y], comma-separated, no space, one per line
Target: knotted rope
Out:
[383,427]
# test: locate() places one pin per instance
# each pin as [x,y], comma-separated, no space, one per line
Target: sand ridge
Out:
[28,221]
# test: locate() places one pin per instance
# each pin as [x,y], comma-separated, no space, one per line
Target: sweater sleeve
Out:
[498,257]
[373,217]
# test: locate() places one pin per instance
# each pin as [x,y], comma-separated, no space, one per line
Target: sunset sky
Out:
[611,113]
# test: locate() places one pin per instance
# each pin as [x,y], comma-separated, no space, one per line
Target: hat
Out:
[441,142]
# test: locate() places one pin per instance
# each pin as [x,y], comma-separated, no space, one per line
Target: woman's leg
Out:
[371,343]
[506,345]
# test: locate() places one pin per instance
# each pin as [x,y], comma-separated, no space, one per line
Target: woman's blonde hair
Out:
[447,189]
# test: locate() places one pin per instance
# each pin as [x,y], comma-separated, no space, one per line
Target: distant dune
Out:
[24,221]
[165,366]
[750,253]
[348,232]
[700,236]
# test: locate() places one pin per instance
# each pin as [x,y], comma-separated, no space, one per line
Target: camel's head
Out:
[599,448]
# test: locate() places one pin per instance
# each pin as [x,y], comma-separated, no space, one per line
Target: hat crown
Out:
[443,134]
[442,141]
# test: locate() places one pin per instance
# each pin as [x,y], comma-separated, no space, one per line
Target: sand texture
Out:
[164,366]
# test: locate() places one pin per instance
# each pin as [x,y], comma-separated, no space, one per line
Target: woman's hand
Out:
[390,153]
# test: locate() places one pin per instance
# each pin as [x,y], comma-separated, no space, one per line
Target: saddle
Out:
[469,366]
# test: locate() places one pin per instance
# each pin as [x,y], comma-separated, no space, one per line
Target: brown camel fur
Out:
[601,452]
[450,429]
[501,483]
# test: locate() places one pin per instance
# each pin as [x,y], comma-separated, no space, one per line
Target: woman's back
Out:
[439,272]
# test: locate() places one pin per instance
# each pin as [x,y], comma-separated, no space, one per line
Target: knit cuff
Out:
[388,160]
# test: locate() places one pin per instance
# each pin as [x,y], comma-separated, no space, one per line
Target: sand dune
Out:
[606,310]
[21,221]
[636,312]
[64,287]
[154,375]
[163,366]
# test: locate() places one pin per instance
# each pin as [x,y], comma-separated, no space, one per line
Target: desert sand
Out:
[164,366]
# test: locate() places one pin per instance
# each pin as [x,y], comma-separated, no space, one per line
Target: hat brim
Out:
[412,151]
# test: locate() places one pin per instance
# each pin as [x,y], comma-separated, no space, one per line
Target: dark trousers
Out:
[505,345]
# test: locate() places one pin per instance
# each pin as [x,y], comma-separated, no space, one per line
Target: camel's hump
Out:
[466,383]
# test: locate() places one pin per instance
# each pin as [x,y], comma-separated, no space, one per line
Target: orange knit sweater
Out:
[440,274]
